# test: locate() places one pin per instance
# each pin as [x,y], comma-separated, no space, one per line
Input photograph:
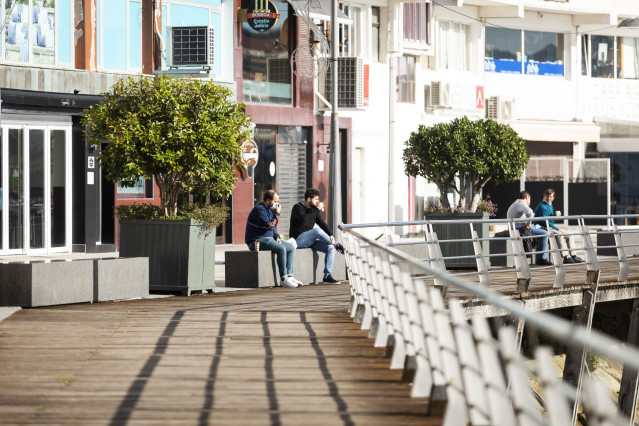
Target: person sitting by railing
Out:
[545,209]
[521,208]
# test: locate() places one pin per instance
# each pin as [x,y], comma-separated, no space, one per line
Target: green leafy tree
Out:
[474,152]
[184,133]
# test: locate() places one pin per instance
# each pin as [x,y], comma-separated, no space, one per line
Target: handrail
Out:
[390,297]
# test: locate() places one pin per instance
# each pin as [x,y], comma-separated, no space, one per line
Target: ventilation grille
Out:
[350,87]
[191,46]
[499,109]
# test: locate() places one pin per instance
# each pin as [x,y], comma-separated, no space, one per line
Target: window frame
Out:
[440,48]
[417,20]
[410,94]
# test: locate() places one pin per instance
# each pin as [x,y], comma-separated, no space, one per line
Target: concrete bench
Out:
[252,269]
[45,283]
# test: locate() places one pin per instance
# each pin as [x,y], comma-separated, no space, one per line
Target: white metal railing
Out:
[481,377]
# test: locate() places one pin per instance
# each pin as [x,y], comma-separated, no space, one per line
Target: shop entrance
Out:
[35,183]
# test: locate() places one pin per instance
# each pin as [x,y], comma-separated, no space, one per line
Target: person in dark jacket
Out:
[565,242]
[261,226]
[309,230]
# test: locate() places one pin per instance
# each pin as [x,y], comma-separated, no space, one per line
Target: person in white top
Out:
[521,208]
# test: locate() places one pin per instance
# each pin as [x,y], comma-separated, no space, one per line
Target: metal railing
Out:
[481,376]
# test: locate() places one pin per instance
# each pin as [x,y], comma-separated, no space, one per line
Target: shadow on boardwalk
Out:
[270,356]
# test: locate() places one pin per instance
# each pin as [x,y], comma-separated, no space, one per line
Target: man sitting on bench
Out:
[304,218]
[261,229]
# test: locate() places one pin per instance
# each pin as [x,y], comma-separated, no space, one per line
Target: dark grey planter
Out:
[454,231]
[181,256]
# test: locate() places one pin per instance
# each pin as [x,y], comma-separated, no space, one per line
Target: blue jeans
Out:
[542,243]
[285,253]
[318,240]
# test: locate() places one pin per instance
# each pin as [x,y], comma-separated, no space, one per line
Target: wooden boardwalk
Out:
[269,356]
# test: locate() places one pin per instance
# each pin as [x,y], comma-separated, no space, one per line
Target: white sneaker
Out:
[295,280]
[287,282]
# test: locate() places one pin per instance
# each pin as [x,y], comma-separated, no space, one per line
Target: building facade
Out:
[561,73]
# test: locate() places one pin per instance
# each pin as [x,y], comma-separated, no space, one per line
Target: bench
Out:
[251,269]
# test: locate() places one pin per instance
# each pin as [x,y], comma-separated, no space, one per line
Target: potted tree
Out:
[185,134]
[463,155]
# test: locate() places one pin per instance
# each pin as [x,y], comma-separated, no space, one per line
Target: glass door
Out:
[34,189]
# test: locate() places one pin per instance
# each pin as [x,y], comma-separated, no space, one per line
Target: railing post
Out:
[592,264]
[557,260]
[401,340]
[501,408]
[554,399]
[482,269]
[436,259]
[456,409]
[474,386]
[521,397]
[521,263]
[624,267]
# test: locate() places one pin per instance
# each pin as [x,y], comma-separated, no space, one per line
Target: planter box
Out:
[455,231]
[45,283]
[181,259]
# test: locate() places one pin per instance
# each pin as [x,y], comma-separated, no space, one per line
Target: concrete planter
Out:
[455,231]
[181,255]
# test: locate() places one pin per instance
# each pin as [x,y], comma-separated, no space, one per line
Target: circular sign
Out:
[262,15]
[250,155]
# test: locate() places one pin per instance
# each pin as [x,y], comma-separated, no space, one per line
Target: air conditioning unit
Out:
[350,77]
[438,95]
[190,47]
[499,109]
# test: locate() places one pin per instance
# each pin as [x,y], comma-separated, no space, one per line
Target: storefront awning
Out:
[319,9]
[618,135]
[556,131]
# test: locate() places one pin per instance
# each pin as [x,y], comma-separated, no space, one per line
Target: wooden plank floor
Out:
[269,356]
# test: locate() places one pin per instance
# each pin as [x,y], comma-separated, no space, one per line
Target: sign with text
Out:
[262,15]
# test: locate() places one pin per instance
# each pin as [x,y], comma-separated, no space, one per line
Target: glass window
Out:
[58,188]
[453,44]
[503,50]
[266,59]
[16,189]
[349,44]
[416,22]
[628,57]
[142,188]
[30,35]
[36,189]
[602,56]
[584,55]
[406,79]
[375,33]
[543,53]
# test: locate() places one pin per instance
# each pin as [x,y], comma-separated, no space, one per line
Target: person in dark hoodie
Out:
[309,230]
[261,226]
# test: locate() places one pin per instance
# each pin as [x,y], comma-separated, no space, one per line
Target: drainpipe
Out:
[334,178]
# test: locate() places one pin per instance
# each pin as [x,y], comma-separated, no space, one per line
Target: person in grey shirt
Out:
[521,208]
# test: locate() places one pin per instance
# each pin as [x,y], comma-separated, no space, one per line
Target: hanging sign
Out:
[262,15]
[250,155]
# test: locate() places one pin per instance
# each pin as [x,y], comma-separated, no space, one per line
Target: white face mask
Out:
[274,206]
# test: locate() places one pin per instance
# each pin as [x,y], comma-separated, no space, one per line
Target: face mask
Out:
[274,206]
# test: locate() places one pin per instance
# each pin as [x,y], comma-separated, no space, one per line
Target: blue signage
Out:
[540,68]
[502,66]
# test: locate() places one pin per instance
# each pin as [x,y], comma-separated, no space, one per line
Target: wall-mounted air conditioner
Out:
[190,47]
[350,77]
[437,95]
[499,109]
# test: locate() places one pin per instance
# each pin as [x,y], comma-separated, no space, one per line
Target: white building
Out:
[561,73]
